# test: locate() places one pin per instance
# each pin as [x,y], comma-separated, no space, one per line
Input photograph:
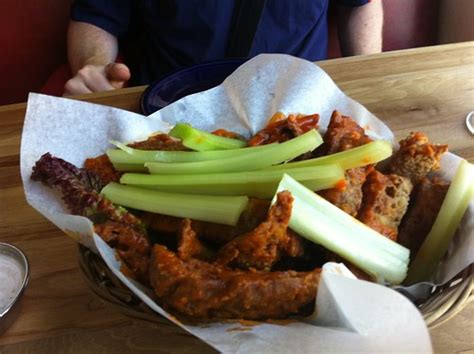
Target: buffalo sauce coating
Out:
[261,247]
[228,134]
[385,202]
[211,291]
[280,130]
[343,134]
[103,168]
[416,157]
[347,194]
[160,142]
[131,245]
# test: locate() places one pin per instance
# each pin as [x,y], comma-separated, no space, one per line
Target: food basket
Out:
[443,303]
[105,277]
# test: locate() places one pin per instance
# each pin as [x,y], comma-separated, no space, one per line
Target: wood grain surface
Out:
[428,89]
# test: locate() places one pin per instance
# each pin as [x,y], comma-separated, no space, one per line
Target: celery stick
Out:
[253,183]
[129,167]
[200,140]
[372,152]
[321,222]
[460,194]
[124,147]
[117,156]
[128,155]
[217,209]
[248,162]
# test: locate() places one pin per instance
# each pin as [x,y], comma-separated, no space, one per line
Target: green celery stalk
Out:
[260,184]
[321,222]
[128,155]
[458,197]
[217,209]
[252,161]
[370,153]
[200,140]
[129,167]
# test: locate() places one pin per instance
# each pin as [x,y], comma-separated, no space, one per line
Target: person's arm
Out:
[92,52]
[360,28]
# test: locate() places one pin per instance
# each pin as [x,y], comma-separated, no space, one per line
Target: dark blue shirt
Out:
[171,34]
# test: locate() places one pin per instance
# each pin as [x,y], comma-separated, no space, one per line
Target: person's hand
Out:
[94,78]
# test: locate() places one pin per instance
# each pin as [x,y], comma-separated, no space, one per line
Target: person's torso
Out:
[181,33]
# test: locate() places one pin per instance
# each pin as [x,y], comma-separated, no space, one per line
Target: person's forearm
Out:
[360,28]
[89,45]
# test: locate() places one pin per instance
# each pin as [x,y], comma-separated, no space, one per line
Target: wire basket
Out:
[443,303]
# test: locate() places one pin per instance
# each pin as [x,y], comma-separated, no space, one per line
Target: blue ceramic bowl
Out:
[186,81]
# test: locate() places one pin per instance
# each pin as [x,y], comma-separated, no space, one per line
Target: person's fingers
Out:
[117,74]
[94,78]
[75,86]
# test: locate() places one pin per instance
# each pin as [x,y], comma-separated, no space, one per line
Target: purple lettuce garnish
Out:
[78,186]
[80,191]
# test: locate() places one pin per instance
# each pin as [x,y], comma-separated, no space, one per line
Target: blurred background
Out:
[33,38]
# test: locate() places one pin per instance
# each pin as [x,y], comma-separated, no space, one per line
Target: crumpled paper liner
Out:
[352,315]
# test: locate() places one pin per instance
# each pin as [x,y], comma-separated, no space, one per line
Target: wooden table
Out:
[429,89]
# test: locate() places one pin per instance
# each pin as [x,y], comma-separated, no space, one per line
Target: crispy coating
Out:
[202,290]
[284,129]
[424,207]
[294,245]
[385,202]
[160,142]
[189,245]
[343,134]
[103,168]
[131,245]
[416,157]
[348,196]
[261,247]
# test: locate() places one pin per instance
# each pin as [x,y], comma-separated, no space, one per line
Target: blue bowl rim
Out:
[180,72]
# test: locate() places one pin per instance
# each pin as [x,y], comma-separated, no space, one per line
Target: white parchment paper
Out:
[352,315]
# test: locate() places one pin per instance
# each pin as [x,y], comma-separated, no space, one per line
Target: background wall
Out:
[32,44]
[456,21]
[33,36]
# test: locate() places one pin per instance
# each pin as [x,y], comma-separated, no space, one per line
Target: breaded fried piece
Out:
[103,169]
[189,245]
[131,245]
[385,202]
[294,247]
[343,134]
[160,142]
[218,234]
[211,291]
[416,157]
[261,247]
[424,207]
[348,196]
[285,129]
[118,227]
